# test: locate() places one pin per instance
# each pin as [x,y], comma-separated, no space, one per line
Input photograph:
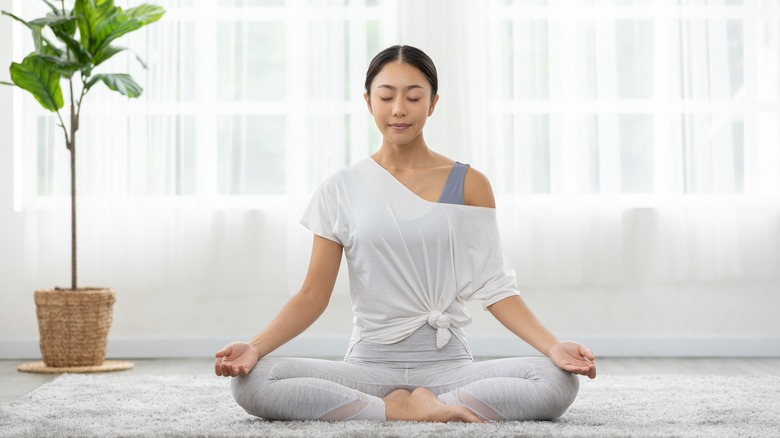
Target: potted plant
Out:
[70,47]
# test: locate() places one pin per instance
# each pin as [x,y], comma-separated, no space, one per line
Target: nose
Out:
[399,109]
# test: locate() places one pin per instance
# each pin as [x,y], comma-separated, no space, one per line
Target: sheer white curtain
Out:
[197,186]
[627,141]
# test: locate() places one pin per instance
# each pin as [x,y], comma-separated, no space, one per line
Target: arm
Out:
[477,190]
[296,316]
[515,315]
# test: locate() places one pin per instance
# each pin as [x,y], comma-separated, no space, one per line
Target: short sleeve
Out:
[486,273]
[501,284]
[321,215]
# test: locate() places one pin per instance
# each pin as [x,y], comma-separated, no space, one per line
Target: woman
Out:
[420,238]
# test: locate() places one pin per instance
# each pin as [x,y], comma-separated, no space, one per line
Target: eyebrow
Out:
[394,88]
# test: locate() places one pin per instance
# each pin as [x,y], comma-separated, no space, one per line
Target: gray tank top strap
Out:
[453,188]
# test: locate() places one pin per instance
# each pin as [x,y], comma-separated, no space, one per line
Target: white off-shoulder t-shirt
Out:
[411,261]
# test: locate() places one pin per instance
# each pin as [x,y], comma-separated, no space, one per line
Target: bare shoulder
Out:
[477,190]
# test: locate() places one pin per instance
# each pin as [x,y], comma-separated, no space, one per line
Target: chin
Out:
[401,140]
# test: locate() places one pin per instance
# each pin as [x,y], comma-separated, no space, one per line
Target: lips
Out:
[400,126]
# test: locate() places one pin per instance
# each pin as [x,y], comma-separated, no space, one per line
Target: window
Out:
[634,97]
[581,97]
[235,94]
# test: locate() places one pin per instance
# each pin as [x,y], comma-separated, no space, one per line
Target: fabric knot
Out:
[441,323]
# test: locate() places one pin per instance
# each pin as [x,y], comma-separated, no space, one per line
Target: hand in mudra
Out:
[236,359]
[574,358]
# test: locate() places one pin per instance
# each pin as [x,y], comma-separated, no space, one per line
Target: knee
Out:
[562,389]
[250,391]
[247,394]
[550,394]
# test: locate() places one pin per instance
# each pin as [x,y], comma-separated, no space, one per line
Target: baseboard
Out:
[334,346]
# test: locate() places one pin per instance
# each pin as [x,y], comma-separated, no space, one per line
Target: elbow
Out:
[314,298]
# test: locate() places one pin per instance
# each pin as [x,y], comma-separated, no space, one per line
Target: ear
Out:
[433,105]
[368,102]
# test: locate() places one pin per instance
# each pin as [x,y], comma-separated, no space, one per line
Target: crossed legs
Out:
[314,389]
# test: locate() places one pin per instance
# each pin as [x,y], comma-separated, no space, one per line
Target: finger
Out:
[585,352]
[580,371]
[576,369]
[226,369]
[225,351]
[592,373]
[217,369]
[573,364]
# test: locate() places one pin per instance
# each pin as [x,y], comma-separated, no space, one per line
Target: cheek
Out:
[377,105]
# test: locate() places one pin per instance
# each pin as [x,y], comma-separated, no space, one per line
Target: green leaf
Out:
[52,7]
[70,27]
[17,18]
[61,64]
[89,14]
[105,53]
[42,45]
[120,82]
[141,61]
[39,40]
[6,83]
[74,45]
[114,28]
[100,22]
[110,51]
[145,13]
[43,82]
[52,20]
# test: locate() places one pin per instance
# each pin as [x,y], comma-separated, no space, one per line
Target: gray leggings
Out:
[530,388]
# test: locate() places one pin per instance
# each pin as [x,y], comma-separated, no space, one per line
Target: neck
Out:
[408,156]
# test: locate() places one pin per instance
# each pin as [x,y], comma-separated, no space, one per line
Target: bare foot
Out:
[423,405]
[398,395]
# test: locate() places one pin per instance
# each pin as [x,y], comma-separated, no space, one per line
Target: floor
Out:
[14,384]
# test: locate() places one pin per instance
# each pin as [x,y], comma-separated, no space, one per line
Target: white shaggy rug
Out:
[116,405]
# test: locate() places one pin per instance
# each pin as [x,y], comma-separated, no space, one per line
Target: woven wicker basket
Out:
[74,325]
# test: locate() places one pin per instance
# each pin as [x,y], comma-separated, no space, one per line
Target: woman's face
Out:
[400,102]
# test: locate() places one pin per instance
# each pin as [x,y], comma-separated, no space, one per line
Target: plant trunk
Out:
[74,260]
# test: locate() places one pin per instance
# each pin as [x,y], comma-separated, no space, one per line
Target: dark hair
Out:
[406,54]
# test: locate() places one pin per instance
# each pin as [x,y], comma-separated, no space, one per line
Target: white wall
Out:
[236,278]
